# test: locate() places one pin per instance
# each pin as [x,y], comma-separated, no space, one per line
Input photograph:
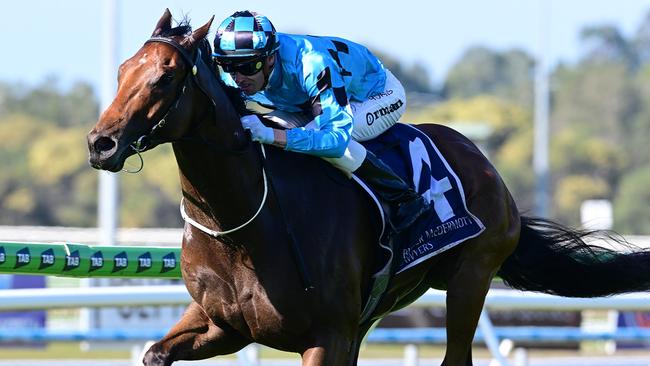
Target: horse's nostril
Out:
[104,143]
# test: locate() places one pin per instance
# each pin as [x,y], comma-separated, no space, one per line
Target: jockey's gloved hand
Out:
[259,132]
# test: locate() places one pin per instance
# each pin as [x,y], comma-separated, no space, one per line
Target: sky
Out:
[63,38]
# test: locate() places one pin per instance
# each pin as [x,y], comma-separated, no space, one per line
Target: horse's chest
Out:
[267,311]
[267,321]
[245,306]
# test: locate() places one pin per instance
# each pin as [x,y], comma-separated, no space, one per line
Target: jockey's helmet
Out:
[244,35]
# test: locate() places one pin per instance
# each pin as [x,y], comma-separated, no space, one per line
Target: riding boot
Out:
[405,205]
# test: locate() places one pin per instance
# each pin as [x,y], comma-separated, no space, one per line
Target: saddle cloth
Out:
[414,157]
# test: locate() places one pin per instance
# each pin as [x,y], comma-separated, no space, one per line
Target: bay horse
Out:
[245,284]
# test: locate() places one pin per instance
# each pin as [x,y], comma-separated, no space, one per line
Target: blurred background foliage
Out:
[600,126]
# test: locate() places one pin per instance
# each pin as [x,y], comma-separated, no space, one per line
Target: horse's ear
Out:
[198,34]
[164,23]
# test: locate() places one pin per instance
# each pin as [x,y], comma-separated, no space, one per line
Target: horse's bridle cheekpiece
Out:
[143,142]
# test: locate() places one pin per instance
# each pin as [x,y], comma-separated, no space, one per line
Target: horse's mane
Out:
[183,28]
[234,94]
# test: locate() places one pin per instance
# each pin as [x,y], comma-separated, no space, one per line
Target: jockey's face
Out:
[251,84]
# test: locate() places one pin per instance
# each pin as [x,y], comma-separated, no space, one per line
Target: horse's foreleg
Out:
[465,297]
[194,337]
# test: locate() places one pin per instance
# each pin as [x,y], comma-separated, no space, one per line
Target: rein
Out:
[144,141]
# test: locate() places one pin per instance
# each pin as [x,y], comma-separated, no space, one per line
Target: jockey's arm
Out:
[328,134]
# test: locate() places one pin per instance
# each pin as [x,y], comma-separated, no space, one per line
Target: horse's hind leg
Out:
[468,285]
[194,337]
[465,297]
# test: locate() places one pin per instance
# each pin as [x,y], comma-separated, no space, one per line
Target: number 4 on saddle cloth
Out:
[414,157]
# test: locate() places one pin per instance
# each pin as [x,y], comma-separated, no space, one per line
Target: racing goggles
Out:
[248,68]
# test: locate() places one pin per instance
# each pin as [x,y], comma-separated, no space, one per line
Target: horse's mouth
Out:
[112,160]
[106,165]
[111,164]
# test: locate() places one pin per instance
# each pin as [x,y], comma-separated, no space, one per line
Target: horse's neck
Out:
[220,189]
[219,193]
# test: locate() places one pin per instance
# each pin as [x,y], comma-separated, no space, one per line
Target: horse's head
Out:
[152,105]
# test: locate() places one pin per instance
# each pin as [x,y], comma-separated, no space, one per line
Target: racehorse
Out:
[266,222]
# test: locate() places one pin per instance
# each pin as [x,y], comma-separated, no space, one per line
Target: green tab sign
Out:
[80,260]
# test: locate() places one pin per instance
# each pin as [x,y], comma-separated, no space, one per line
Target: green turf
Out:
[59,350]
[69,350]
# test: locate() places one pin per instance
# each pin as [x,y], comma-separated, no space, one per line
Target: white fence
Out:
[57,298]
[29,299]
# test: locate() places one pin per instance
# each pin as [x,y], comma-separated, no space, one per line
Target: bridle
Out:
[145,141]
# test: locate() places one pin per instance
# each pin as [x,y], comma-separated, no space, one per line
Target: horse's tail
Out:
[554,259]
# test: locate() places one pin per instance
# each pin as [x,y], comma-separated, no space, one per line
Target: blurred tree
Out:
[151,197]
[588,146]
[514,162]
[80,105]
[4,95]
[641,41]
[138,201]
[46,179]
[484,71]
[509,144]
[605,44]
[57,155]
[572,190]
[80,207]
[596,104]
[637,146]
[598,98]
[631,213]
[575,151]
[17,199]
[504,118]
[414,78]
[162,172]
[77,107]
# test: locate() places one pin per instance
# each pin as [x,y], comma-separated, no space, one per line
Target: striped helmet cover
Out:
[245,34]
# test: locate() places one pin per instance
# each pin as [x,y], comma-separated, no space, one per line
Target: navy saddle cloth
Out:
[415,158]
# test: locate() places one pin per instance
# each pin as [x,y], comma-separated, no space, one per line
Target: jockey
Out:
[327,92]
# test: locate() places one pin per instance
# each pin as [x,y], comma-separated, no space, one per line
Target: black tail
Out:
[554,259]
